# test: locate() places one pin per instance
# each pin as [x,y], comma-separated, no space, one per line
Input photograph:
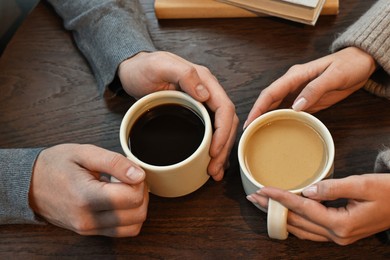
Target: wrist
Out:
[122,66]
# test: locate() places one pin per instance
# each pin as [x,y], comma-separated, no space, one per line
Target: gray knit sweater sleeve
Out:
[371,33]
[15,176]
[106,31]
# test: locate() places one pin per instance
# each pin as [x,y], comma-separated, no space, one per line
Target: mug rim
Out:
[145,103]
[326,135]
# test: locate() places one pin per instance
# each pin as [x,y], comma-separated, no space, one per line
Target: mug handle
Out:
[277,220]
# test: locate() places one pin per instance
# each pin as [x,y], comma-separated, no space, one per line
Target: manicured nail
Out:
[245,125]
[251,199]
[310,191]
[300,104]
[201,91]
[135,174]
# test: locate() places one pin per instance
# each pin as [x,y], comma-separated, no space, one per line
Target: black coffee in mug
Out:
[166,134]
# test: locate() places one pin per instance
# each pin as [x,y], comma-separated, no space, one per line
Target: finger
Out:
[191,83]
[225,120]
[114,223]
[96,159]
[125,214]
[302,225]
[259,199]
[307,219]
[219,163]
[202,85]
[184,74]
[296,218]
[310,209]
[121,231]
[351,187]
[297,224]
[305,235]
[101,196]
[271,97]
[325,84]
[266,101]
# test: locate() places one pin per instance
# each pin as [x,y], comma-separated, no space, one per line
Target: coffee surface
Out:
[287,154]
[166,134]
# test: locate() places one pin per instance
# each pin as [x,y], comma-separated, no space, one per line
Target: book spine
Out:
[183,9]
[198,10]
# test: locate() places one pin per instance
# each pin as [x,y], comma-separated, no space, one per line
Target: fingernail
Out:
[251,199]
[300,104]
[135,174]
[201,91]
[245,125]
[310,191]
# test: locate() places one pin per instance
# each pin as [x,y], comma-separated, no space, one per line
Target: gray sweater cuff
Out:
[16,166]
[371,33]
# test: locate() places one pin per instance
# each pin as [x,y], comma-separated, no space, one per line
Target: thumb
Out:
[100,160]
[190,82]
[188,76]
[319,80]
[332,189]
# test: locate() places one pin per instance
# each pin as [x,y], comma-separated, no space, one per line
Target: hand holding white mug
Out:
[285,149]
[366,213]
[322,82]
[146,73]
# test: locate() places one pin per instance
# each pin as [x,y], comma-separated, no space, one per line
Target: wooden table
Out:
[49,96]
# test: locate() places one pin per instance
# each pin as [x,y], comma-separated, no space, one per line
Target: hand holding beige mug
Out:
[168,134]
[285,149]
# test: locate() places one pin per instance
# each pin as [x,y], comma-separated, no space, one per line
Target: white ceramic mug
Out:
[180,178]
[277,213]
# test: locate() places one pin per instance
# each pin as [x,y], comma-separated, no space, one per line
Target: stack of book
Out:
[303,11]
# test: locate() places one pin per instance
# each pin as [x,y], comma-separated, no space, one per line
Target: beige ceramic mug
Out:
[170,170]
[285,149]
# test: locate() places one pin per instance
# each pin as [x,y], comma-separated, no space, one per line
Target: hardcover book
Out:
[184,9]
[303,11]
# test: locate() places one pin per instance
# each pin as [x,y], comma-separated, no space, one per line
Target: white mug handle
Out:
[277,220]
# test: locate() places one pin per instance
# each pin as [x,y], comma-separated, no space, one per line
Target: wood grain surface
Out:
[49,96]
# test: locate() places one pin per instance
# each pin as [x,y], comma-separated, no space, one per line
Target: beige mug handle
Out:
[277,220]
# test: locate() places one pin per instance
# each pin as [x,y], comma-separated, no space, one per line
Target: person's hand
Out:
[366,213]
[323,82]
[67,191]
[150,72]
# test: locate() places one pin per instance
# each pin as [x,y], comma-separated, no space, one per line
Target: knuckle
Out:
[82,225]
[236,120]
[204,69]
[230,107]
[135,230]
[189,71]
[82,203]
[343,233]
[114,160]
[295,67]
[137,200]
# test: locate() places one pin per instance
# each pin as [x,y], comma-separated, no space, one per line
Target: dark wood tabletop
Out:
[49,96]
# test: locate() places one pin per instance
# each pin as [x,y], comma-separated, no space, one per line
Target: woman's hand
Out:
[366,213]
[322,82]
